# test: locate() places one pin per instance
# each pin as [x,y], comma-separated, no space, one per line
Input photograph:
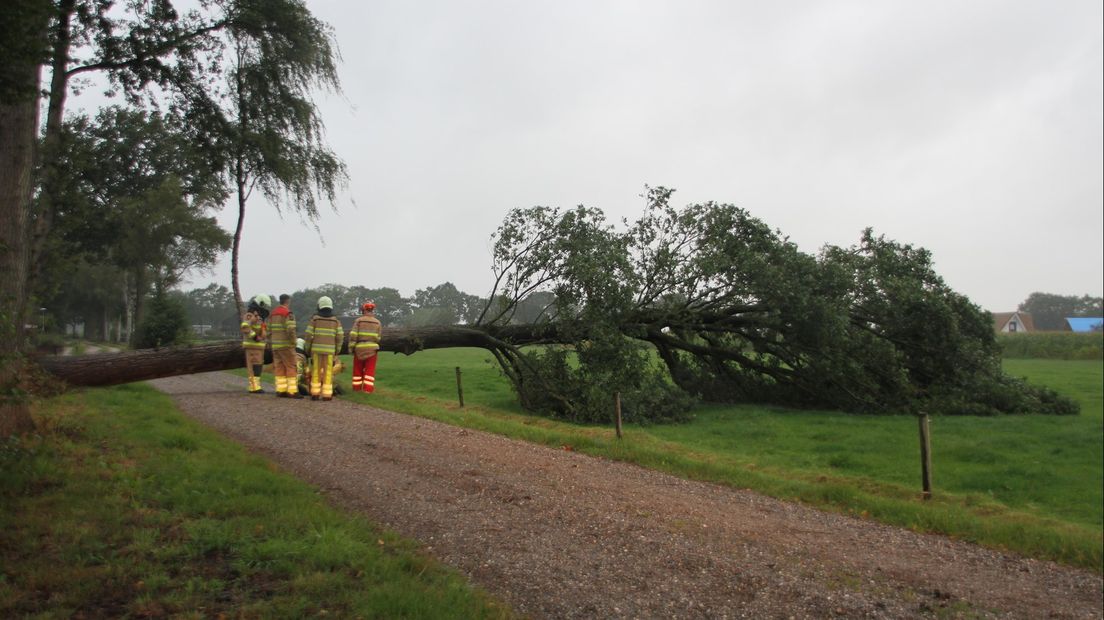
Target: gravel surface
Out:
[562,535]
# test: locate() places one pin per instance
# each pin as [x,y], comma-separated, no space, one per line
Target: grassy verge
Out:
[1031,484]
[121,506]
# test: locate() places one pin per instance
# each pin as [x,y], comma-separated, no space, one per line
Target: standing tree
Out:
[136,196]
[272,135]
[23,47]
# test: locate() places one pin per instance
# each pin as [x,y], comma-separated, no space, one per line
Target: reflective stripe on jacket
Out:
[253,331]
[364,338]
[281,328]
[324,334]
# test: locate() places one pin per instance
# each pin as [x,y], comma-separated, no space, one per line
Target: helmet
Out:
[300,343]
[368,306]
[325,302]
[262,301]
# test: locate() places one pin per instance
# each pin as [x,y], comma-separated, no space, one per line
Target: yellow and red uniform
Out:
[323,337]
[364,343]
[281,330]
[253,330]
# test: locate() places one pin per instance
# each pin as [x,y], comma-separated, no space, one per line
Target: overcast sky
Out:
[973,129]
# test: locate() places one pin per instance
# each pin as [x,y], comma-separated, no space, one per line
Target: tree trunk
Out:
[51,141]
[18,129]
[237,246]
[143,364]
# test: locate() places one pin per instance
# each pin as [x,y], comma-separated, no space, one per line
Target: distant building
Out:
[1013,322]
[1084,325]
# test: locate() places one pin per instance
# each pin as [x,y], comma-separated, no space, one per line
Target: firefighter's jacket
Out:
[324,335]
[253,331]
[364,338]
[281,328]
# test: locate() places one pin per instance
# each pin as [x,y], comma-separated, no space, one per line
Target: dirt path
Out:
[563,535]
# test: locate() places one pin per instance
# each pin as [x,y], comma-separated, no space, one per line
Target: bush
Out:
[560,383]
[1053,345]
[165,324]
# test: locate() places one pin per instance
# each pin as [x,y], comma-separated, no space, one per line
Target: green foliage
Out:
[738,314]
[592,376]
[132,201]
[165,324]
[1049,311]
[446,305]
[210,305]
[22,43]
[1057,346]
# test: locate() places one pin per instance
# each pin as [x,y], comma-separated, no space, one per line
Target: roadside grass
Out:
[121,506]
[1031,484]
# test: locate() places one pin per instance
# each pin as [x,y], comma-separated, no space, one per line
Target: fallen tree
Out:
[143,364]
[700,303]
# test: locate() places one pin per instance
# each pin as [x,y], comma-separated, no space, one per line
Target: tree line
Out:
[443,304]
[1049,311]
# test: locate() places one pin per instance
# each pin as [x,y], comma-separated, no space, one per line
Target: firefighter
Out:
[302,367]
[253,330]
[323,340]
[364,342]
[281,333]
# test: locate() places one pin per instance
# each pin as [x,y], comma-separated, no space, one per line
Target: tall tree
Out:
[274,137]
[23,47]
[136,196]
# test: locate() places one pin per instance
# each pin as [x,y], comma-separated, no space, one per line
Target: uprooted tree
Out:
[708,302]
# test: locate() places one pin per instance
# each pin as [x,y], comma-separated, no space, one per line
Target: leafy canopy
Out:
[737,313]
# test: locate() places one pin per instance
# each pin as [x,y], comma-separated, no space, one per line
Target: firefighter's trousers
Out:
[364,374]
[254,363]
[283,366]
[322,375]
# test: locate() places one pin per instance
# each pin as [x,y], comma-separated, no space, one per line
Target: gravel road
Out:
[558,534]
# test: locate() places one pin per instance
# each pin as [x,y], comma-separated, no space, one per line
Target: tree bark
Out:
[126,367]
[18,128]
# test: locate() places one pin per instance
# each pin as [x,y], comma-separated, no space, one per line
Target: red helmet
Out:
[368,306]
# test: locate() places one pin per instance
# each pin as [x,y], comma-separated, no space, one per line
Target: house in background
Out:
[1084,325]
[1013,322]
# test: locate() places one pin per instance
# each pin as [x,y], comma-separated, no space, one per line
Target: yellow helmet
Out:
[325,302]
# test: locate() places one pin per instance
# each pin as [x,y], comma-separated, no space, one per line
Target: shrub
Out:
[1053,345]
[165,324]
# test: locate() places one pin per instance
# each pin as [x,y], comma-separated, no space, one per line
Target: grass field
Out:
[1032,484]
[121,506]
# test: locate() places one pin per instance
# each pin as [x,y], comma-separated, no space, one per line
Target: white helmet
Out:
[263,301]
[325,302]
[300,343]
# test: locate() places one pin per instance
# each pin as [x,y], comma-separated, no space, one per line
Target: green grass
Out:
[1032,484]
[121,506]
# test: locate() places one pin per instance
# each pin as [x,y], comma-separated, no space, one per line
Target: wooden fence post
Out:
[617,410]
[925,454]
[459,387]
